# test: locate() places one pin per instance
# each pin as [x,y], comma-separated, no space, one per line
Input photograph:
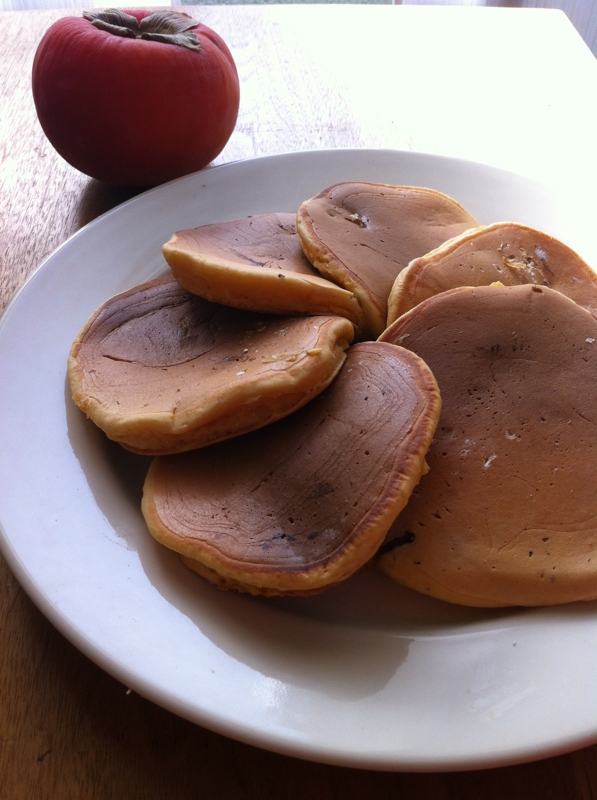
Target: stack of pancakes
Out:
[287,376]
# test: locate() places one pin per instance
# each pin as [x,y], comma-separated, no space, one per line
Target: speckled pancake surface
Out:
[256,264]
[508,252]
[361,235]
[507,514]
[162,371]
[302,504]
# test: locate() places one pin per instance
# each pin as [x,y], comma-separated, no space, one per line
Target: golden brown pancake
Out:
[162,371]
[256,264]
[302,504]
[361,235]
[507,514]
[505,252]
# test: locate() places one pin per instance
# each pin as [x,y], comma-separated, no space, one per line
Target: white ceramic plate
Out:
[367,674]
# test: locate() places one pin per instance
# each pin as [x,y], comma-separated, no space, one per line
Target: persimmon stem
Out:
[169,27]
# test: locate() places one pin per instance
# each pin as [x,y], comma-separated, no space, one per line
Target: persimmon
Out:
[135,98]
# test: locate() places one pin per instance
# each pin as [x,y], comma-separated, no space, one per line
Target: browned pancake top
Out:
[362,235]
[508,512]
[269,241]
[311,496]
[256,264]
[508,252]
[157,359]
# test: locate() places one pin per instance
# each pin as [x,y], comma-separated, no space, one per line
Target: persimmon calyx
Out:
[169,27]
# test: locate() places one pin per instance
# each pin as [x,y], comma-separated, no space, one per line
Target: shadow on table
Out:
[97,198]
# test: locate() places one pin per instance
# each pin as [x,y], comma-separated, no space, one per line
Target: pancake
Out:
[304,503]
[505,252]
[361,235]
[256,264]
[507,515]
[163,371]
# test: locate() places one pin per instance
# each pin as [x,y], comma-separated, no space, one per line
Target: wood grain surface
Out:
[312,77]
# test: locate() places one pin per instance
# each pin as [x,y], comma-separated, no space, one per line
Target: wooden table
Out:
[512,88]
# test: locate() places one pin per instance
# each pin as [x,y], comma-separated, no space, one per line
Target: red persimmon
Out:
[135,98]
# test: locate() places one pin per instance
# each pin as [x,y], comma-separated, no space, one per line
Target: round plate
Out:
[367,674]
